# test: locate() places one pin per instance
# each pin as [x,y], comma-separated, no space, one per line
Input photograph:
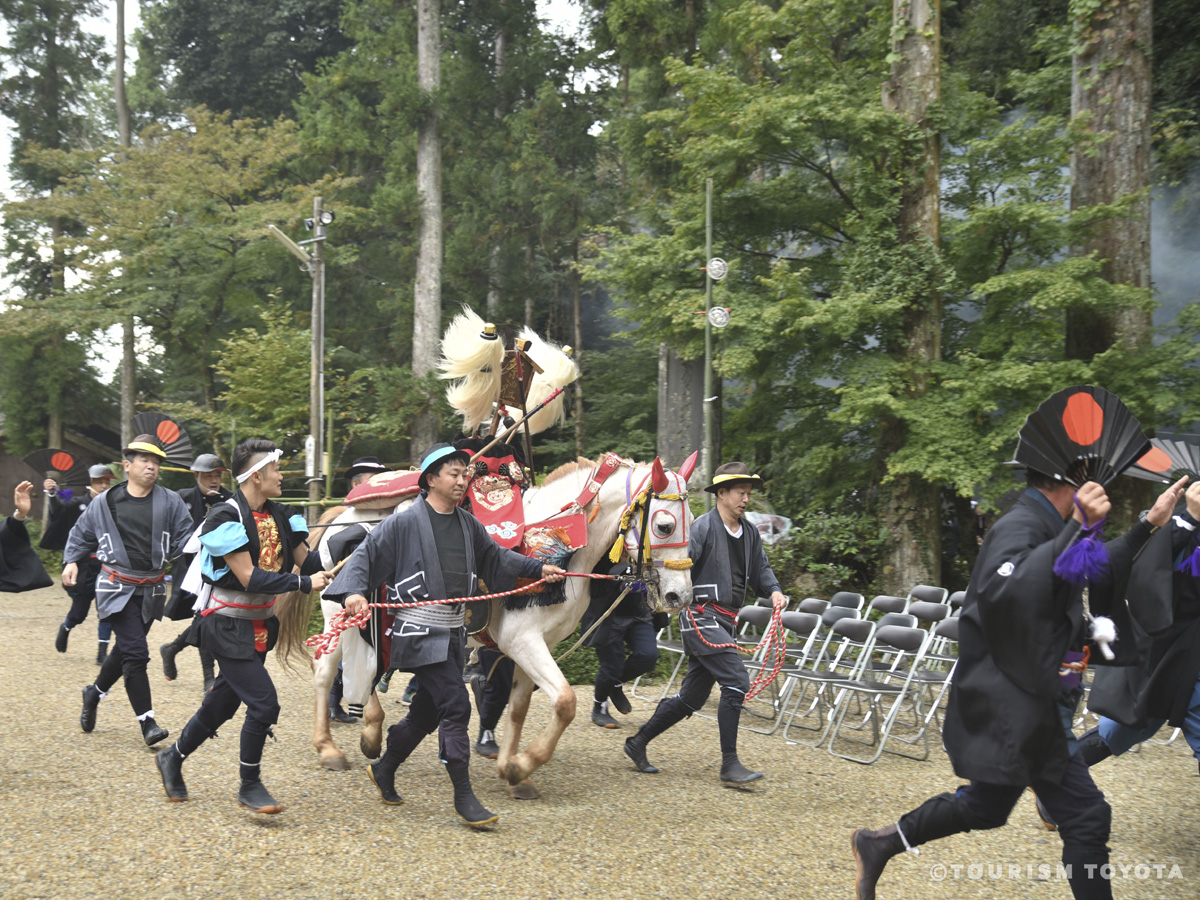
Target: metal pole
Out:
[708,349]
[316,398]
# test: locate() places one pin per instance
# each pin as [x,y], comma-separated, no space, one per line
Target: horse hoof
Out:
[335,763]
[369,749]
[524,791]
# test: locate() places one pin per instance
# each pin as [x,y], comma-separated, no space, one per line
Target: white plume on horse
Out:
[558,370]
[476,362]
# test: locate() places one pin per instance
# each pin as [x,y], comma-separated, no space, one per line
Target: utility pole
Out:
[314,264]
[709,399]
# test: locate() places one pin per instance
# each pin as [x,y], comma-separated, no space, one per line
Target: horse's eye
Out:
[663,523]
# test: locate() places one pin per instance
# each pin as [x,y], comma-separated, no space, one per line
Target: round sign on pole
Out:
[717,268]
[718,316]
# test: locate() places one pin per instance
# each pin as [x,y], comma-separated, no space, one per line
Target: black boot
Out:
[601,717]
[620,702]
[872,850]
[1092,747]
[465,802]
[170,766]
[101,653]
[60,639]
[382,773]
[91,700]
[734,772]
[668,713]
[167,652]
[486,746]
[256,798]
[152,732]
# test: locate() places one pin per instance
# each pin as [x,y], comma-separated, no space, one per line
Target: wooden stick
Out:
[515,425]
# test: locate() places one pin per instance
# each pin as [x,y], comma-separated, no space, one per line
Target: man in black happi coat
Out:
[1014,695]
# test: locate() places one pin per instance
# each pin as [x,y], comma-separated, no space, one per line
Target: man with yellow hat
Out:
[134,529]
[727,558]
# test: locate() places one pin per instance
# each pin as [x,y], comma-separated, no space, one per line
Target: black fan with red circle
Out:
[67,467]
[168,434]
[1083,433]
[1169,457]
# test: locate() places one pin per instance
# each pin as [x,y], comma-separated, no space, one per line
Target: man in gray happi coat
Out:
[727,558]
[433,550]
[134,529]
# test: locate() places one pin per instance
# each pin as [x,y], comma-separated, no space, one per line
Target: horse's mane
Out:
[568,469]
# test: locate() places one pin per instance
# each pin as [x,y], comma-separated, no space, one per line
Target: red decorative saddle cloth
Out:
[385,490]
[495,495]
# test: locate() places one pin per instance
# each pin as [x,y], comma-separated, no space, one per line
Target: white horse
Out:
[643,504]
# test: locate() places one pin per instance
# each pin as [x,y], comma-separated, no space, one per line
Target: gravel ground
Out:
[84,815]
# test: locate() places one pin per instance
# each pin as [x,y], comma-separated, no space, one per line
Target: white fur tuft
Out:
[475,362]
[559,370]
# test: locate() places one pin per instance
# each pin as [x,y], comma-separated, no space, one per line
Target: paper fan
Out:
[1083,433]
[69,467]
[169,434]
[1169,457]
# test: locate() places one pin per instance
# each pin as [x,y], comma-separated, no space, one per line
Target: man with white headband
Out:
[200,499]
[433,551]
[134,529]
[248,546]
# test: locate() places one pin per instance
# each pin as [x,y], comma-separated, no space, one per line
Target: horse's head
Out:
[656,536]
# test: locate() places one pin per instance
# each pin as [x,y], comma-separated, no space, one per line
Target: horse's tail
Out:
[294,609]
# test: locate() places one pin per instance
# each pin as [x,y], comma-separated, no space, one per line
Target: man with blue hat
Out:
[432,551]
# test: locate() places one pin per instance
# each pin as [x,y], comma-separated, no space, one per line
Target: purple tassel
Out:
[1085,560]
[1191,565]
[65,494]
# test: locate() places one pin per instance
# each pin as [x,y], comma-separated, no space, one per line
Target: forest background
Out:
[935,215]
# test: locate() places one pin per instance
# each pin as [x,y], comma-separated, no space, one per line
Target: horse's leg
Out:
[371,739]
[534,658]
[324,671]
[518,708]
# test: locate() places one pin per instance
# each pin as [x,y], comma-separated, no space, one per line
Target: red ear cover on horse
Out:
[689,466]
[658,478]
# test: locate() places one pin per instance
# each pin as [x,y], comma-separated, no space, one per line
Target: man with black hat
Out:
[429,552]
[363,468]
[207,493]
[727,558]
[135,531]
[65,510]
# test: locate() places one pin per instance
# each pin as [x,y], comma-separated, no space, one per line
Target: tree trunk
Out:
[501,58]
[577,316]
[912,505]
[128,361]
[1110,86]
[427,305]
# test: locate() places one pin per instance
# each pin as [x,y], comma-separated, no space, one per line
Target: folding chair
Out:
[956,602]
[928,593]
[842,654]
[885,603]
[935,675]
[885,692]
[848,599]
[813,605]
[769,705]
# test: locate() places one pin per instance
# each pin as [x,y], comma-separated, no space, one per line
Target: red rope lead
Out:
[327,641]
[773,645]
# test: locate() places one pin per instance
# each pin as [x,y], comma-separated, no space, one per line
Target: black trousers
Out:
[440,704]
[130,656]
[617,668]
[498,688]
[83,594]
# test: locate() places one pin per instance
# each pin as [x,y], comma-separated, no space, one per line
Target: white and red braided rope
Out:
[327,641]
[773,645]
